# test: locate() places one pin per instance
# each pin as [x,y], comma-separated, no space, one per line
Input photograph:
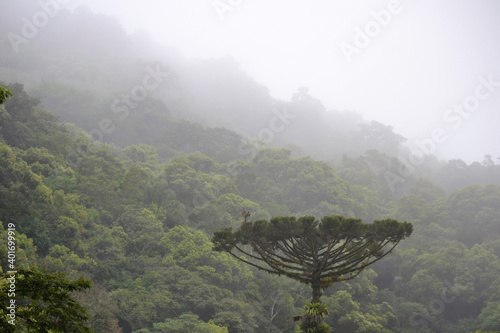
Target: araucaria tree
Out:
[318,253]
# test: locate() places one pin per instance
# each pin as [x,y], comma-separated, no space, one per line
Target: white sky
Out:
[426,59]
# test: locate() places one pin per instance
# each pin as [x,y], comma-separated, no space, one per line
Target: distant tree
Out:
[319,253]
[379,136]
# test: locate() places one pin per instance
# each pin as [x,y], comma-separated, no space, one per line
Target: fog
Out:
[427,58]
[405,64]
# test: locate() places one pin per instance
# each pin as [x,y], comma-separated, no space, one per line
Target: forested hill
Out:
[118,162]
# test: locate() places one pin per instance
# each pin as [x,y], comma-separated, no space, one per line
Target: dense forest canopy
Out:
[118,163]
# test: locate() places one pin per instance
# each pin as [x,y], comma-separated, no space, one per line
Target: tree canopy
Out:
[316,252]
[44,302]
[4,94]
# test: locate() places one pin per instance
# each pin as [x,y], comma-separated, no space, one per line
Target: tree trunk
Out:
[316,287]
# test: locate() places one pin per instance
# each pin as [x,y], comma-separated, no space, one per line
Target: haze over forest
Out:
[131,133]
[427,58]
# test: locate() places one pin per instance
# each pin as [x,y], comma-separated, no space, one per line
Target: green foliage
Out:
[23,197]
[185,323]
[4,94]
[142,156]
[472,212]
[143,231]
[135,310]
[371,170]
[360,323]
[44,302]
[25,250]
[101,311]
[312,319]
[38,127]
[232,205]
[489,317]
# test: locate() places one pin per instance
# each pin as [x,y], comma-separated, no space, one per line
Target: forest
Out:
[120,160]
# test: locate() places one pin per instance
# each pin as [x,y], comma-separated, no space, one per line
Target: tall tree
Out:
[319,253]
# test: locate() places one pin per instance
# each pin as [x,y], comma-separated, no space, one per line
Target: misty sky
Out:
[420,61]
